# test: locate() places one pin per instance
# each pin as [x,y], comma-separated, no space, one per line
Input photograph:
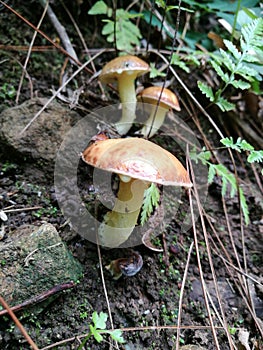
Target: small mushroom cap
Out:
[152,94]
[137,158]
[124,64]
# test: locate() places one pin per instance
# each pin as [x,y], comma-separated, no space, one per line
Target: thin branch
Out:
[18,324]
[60,30]
[39,298]
[212,326]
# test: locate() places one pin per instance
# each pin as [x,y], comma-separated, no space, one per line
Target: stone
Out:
[34,260]
[41,141]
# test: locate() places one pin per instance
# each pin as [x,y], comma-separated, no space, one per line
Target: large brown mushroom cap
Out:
[137,158]
[124,64]
[152,95]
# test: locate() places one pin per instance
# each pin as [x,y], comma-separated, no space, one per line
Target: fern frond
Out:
[255,156]
[211,173]
[218,69]
[151,200]
[244,62]
[206,90]
[232,48]
[227,60]
[224,105]
[252,34]
[246,72]
[240,84]
[244,206]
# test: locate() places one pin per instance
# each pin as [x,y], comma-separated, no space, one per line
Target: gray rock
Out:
[42,139]
[34,260]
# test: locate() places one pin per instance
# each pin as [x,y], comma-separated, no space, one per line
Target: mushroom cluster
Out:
[136,161]
[125,70]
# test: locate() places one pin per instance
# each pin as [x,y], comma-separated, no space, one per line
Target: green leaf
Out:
[251,58]
[206,90]
[246,72]
[99,8]
[227,61]
[99,320]
[227,178]
[204,156]
[155,72]
[127,33]
[211,173]
[227,141]
[151,200]
[245,146]
[240,84]
[252,33]
[224,105]
[218,69]
[176,60]
[233,49]
[95,333]
[244,206]
[255,156]
[117,335]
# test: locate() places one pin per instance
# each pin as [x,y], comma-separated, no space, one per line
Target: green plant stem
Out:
[235,20]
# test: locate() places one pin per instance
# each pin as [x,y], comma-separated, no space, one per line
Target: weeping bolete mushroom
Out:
[124,70]
[138,163]
[162,100]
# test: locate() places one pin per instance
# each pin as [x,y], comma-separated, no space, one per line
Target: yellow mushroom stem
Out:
[120,222]
[155,121]
[126,88]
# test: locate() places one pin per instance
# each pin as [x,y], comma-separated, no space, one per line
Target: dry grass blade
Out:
[102,277]
[200,267]
[59,90]
[29,54]
[210,259]
[83,43]
[177,343]
[43,34]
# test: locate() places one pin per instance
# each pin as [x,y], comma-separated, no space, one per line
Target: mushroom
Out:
[138,163]
[124,70]
[125,266]
[162,100]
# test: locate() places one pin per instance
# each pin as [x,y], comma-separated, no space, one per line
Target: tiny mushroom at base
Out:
[162,100]
[138,163]
[124,70]
[125,266]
